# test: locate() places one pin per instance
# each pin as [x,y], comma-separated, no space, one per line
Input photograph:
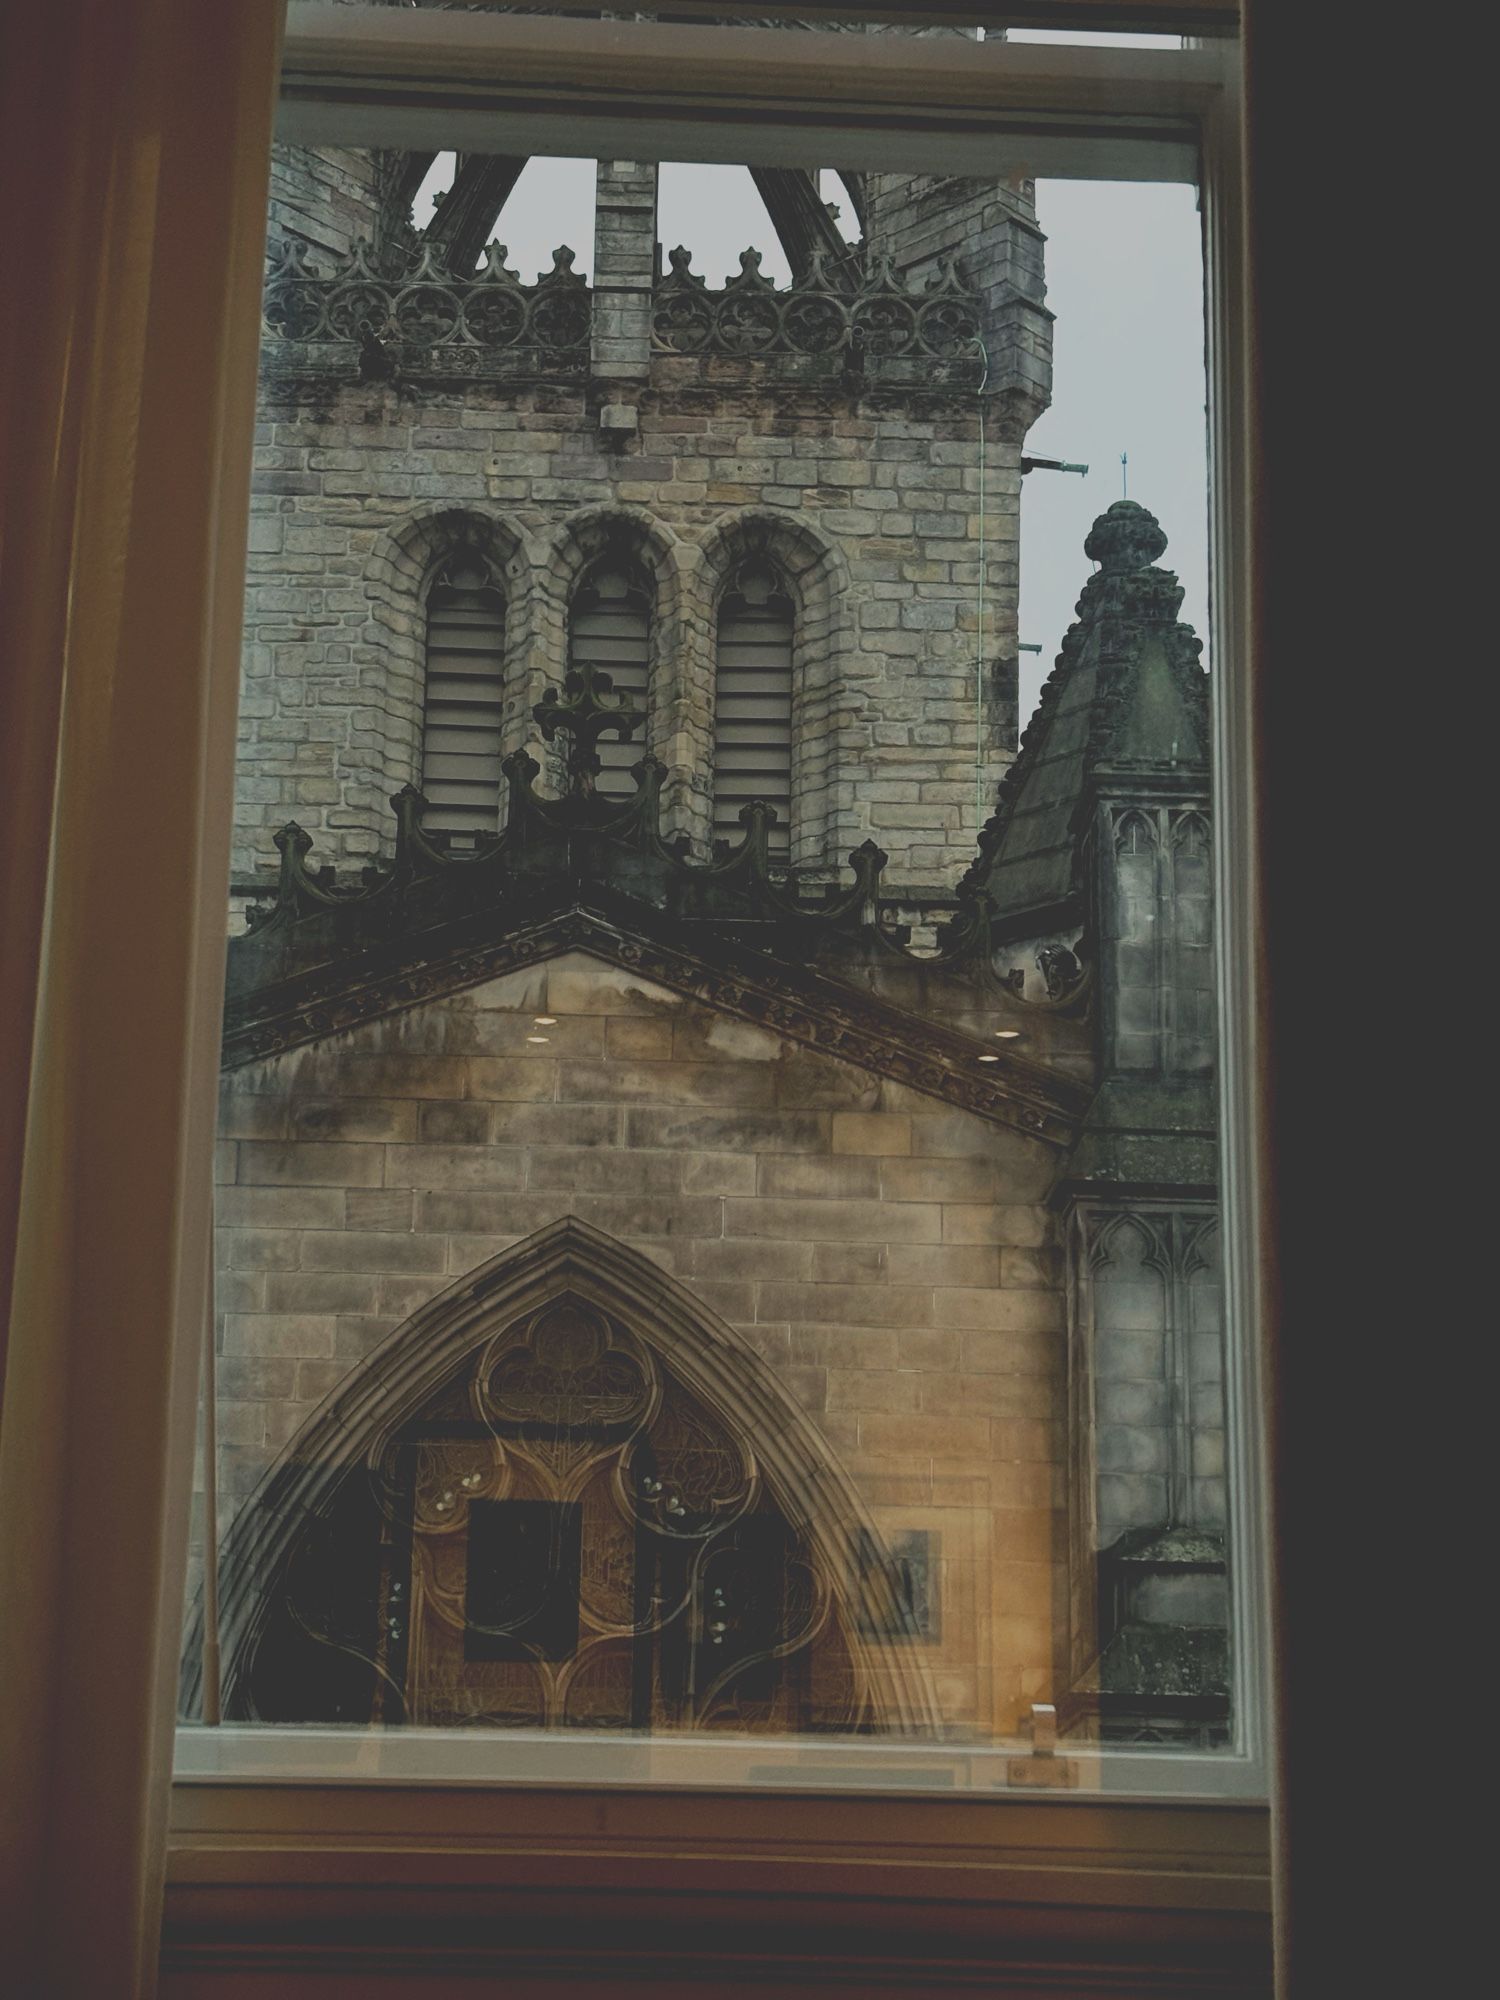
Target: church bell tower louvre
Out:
[651,941]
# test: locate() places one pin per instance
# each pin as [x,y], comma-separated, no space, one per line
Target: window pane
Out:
[731,1255]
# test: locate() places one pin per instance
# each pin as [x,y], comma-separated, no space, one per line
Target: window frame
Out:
[740,94]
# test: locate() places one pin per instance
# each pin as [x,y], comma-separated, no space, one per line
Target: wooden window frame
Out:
[748,95]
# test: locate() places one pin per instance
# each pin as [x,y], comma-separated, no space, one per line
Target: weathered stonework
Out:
[860,480]
[893,1262]
[923,1166]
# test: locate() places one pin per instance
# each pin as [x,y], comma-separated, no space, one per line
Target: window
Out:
[463,701]
[371,1191]
[753,706]
[893,1242]
[610,631]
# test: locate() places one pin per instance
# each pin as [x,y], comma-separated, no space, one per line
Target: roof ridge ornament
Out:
[586,708]
[494,271]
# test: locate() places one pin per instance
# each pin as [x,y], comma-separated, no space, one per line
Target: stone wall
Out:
[885,497]
[922,220]
[901,730]
[892,1260]
[326,197]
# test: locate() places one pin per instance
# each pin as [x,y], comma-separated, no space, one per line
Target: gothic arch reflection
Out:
[565,1495]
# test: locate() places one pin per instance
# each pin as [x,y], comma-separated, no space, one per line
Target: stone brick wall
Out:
[886,496]
[326,197]
[901,731]
[892,1260]
[922,220]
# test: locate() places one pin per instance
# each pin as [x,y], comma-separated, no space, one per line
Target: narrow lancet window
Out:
[461,719]
[753,705]
[611,629]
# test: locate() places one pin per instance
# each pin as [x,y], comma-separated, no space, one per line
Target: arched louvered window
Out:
[753,705]
[611,629]
[461,742]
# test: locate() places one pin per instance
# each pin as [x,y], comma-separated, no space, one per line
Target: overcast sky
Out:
[1124,277]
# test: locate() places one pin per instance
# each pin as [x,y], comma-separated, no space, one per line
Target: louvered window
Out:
[611,629]
[461,742]
[753,706]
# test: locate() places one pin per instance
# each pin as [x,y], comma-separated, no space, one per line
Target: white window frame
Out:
[436,79]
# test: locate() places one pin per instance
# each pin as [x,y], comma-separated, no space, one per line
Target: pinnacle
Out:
[1126,537]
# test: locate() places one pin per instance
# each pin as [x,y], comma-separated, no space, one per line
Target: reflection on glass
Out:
[717,1225]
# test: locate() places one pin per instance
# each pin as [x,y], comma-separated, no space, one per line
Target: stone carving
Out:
[1148,711]
[858,328]
[587,709]
[1060,968]
[585,870]
[425,323]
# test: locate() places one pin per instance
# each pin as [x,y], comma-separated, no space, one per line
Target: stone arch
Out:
[398,575]
[1129,1242]
[828,733]
[572,1260]
[560,564]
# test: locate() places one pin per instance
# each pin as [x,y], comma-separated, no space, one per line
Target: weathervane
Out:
[586,709]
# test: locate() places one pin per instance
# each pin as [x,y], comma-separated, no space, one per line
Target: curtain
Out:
[135,141]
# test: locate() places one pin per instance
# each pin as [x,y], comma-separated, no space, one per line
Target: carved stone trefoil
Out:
[881,325]
[427,323]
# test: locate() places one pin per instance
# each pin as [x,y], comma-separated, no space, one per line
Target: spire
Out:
[1126,701]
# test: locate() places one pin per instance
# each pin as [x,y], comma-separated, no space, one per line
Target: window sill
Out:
[569,1885]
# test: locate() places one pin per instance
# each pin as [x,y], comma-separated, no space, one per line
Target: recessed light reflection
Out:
[545,1020]
[989,1058]
[1007,1034]
[538,1038]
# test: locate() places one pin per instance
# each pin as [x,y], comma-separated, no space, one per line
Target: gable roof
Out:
[794,1000]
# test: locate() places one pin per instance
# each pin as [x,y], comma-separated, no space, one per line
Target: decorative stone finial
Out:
[1127,537]
[588,708]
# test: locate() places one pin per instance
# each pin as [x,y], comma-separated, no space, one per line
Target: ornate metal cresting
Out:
[424,323]
[882,327]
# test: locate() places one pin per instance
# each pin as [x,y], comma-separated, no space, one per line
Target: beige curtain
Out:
[134,139]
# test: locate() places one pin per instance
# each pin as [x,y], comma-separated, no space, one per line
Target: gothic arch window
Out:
[462,706]
[585,1504]
[753,704]
[609,628]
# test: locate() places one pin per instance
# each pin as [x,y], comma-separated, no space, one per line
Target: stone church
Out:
[717,1213]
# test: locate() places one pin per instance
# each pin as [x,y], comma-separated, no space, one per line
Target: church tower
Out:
[788,518]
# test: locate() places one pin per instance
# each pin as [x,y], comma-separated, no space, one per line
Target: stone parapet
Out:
[360,323]
[884,330]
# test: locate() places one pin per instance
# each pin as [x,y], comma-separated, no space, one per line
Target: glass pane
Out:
[717,1227]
